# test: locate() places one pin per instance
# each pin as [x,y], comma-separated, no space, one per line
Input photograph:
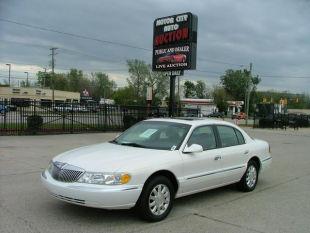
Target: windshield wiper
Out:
[132,144]
[113,141]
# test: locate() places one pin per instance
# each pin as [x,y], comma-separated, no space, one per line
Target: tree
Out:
[125,96]
[159,84]
[141,77]
[44,79]
[236,83]
[102,86]
[61,82]
[23,83]
[189,89]
[139,72]
[201,89]
[75,78]
[220,97]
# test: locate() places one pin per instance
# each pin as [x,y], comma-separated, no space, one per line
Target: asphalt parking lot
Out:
[280,203]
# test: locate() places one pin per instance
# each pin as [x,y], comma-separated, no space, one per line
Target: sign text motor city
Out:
[172,30]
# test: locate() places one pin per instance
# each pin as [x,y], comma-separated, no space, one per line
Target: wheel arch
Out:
[257,161]
[170,175]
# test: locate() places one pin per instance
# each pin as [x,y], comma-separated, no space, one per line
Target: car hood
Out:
[109,157]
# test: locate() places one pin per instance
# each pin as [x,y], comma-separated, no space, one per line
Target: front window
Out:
[154,135]
[204,136]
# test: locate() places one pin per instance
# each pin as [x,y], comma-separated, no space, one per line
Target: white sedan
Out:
[156,161]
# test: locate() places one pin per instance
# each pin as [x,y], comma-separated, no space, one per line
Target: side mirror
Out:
[194,148]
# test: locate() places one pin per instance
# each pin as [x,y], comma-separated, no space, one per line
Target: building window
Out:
[15,91]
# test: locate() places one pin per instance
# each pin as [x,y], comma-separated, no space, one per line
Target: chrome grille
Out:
[65,172]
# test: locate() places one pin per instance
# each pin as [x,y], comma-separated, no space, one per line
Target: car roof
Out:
[193,121]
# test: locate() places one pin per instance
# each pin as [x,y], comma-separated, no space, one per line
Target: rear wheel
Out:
[156,199]
[250,177]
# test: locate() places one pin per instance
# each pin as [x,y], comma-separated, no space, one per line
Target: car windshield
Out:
[154,135]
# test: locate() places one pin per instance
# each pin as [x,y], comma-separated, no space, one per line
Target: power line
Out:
[73,34]
[69,51]
[283,76]
[220,62]
[208,71]
[105,41]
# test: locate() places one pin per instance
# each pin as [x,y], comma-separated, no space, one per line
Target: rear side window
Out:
[227,135]
[240,137]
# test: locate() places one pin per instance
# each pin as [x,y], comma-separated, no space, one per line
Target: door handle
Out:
[218,157]
[246,152]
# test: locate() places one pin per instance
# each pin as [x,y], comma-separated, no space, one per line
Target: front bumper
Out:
[98,196]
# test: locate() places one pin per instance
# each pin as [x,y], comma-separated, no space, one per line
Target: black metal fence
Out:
[38,117]
[282,121]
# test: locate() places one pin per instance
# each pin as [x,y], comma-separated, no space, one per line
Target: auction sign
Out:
[175,42]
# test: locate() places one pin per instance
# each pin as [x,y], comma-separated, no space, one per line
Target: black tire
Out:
[143,206]
[245,184]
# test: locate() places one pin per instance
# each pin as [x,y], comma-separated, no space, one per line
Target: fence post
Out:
[71,128]
[4,121]
[21,117]
[34,106]
[63,121]
[105,116]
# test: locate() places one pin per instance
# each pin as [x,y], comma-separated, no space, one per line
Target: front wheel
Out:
[156,199]
[250,177]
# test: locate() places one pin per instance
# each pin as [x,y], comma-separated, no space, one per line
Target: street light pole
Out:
[9,74]
[27,78]
[53,73]
[248,94]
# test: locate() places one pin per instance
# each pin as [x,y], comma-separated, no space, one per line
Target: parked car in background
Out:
[216,114]
[3,108]
[11,107]
[106,101]
[239,116]
[156,161]
[70,108]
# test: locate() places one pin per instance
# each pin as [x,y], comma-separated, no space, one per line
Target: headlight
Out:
[105,178]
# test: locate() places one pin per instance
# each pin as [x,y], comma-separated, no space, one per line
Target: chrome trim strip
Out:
[69,199]
[130,188]
[264,160]
[216,172]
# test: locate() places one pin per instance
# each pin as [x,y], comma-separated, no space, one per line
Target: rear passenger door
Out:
[233,153]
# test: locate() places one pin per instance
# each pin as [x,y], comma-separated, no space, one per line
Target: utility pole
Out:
[248,94]
[9,74]
[27,84]
[53,66]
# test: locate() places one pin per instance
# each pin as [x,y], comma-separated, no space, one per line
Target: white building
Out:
[206,106]
[234,107]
